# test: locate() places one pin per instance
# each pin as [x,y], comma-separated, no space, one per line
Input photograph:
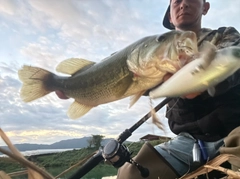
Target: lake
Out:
[41,151]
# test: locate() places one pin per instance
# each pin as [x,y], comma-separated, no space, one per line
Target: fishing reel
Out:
[117,154]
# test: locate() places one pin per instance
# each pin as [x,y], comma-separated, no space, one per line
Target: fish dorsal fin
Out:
[135,98]
[77,110]
[72,65]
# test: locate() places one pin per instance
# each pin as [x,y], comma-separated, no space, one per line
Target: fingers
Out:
[192,95]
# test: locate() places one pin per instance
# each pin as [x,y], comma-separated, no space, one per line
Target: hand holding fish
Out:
[202,74]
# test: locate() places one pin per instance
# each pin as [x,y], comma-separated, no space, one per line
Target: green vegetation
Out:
[57,163]
[67,158]
[95,141]
[8,165]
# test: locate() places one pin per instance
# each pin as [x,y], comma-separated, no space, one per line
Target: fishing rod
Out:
[116,152]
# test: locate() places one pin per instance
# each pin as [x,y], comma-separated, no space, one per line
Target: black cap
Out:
[166,22]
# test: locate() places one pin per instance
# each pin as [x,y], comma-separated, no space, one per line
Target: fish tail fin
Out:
[34,81]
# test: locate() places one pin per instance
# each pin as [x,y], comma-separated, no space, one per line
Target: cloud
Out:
[4,68]
[43,33]
[225,13]
[8,7]
[42,55]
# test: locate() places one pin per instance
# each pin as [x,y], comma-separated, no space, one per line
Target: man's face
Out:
[184,13]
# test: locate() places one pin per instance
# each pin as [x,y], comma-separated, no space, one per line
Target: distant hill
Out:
[63,144]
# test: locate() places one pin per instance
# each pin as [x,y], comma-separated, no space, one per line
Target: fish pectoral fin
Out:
[122,86]
[77,110]
[72,65]
[135,98]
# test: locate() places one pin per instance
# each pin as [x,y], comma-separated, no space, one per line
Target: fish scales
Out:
[128,72]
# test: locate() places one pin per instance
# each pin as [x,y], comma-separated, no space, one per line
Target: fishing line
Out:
[170,108]
[131,144]
[115,152]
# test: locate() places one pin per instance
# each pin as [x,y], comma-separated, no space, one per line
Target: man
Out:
[195,117]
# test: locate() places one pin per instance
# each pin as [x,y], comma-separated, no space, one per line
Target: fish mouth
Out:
[185,54]
[180,51]
[189,51]
[186,48]
[187,42]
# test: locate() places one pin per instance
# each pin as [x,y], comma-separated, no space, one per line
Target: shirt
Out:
[205,117]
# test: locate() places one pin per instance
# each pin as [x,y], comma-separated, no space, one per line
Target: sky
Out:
[43,33]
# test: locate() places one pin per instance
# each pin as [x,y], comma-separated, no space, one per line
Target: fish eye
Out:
[161,38]
[236,52]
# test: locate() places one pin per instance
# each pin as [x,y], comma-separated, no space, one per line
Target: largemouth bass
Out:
[128,72]
[201,74]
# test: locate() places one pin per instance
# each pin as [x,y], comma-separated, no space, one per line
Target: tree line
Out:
[95,141]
